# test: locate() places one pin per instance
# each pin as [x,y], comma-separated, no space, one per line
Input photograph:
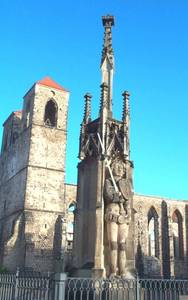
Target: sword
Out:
[108,164]
[110,171]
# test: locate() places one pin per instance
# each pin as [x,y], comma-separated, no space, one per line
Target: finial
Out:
[126,112]
[108,22]
[107,60]
[104,96]
[87,109]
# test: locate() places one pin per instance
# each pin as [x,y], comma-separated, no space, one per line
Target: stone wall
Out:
[13,174]
[43,241]
[44,199]
[12,129]
[70,194]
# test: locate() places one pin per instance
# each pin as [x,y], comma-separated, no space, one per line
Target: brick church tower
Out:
[32,174]
[104,147]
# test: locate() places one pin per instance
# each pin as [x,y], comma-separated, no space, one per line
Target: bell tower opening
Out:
[50,116]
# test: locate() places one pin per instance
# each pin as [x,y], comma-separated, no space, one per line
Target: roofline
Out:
[33,86]
[60,89]
[161,197]
[12,113]
[74,184]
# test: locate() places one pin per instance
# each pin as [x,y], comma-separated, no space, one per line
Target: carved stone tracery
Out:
[114,140]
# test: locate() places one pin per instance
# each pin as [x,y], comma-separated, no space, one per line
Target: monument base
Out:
[97,273]
[82,273]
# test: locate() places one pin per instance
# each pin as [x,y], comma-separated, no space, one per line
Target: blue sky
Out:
[63,39]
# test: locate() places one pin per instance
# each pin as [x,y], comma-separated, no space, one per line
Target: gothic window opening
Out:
[27,112]
[72,207]
[153,233]
[50,116]
[177,231]
[27,119]
[70,226]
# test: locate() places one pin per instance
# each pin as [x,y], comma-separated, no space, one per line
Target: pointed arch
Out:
[177,232]
[72,207]
[153,232]
[50,115]
[70,225]
[152,213]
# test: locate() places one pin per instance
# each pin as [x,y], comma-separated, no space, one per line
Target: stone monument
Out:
[104,218]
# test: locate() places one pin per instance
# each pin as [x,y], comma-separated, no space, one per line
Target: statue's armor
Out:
[117,209]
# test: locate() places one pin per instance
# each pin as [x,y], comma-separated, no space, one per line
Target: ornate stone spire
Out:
[103,114]
[107,60]
[87,109]
[104,97]
[126,113]
[126,126]
[108,22]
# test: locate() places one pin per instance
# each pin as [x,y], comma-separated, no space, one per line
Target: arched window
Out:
[177,231]
[71,207]
[50,116]
[153,233]
[70,226]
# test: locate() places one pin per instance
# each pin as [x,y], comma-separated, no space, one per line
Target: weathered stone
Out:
[32,172]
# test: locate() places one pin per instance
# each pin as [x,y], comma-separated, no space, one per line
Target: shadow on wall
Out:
[39,252]
[147,266]
[61,257]
[13,242]
[57,241]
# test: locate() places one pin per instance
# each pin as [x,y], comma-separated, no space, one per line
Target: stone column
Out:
[184,243]
[60,283]
[160,244]
[171,243]
[78,222]
[184,235]
[98,270]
